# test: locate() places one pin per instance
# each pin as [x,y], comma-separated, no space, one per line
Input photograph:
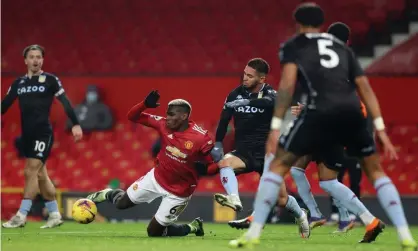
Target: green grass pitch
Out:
[132,237]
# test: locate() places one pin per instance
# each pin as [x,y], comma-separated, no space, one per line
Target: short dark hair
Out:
[340,30]
[309,14]
[33,47]
[260,65]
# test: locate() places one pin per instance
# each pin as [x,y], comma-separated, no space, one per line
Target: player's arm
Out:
[284,95]
[266,101]
[222,128]
[59,93]
[286,85]
[364,89]
[136,114]
[210,157]
[369,98]
[226,116]
[9,98]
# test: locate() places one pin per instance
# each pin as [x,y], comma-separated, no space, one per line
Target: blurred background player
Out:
[345,223]
[333,118]
[174,177]
[36,91]
[251,105]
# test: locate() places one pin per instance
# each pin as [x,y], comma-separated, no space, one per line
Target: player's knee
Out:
[152,232]
[372,168]
[31,170]
[297,172]
[42,176]
[224,163]
[124,202]
[154,229]
[282,200]
[328,185]
[278,167]
[120,204]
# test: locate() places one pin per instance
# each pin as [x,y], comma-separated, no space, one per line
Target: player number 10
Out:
[39,146]
[323,49]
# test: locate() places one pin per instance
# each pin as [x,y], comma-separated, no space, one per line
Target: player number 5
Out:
[39,146]
[333,60]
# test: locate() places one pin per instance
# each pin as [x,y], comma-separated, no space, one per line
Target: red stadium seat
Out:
[135,37]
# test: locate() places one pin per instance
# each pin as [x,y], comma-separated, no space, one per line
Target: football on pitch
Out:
[84,211]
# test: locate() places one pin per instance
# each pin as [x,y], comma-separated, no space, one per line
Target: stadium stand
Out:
[169,37]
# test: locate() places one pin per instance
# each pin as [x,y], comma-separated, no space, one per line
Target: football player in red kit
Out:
[174,178]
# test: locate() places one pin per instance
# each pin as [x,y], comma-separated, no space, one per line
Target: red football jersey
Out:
[175,170]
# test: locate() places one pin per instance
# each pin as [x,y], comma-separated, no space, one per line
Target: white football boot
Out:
[54,220]
[304,228]
[231,201]
[18,220]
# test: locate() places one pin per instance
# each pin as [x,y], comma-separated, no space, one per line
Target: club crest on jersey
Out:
[42,79]
[29,89]
[176,152]
[248,109]
[135,187]
[188,145]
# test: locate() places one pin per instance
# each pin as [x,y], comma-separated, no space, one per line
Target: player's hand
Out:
[151,101]
[217,152]
[297,109]
[237,103]
[272,142]
[389,149]
[77,132]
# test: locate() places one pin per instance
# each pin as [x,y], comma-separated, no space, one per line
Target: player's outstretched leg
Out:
[47,190]
[349,200]
[245,223]
[266,197]
[155,229]
[118,197]
[389,199]
[286,201]
[230,183]
[304,189]
[300,214]
[31,189]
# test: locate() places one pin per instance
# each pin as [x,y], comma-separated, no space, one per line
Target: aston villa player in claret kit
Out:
[36,91]
[174,177]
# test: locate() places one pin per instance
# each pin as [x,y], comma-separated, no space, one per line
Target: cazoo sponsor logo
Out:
[249,109]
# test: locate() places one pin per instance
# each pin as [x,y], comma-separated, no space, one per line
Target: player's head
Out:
[340,31]
[309,15]
[255,73]
[34,57]
[178,113]
[92,94]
